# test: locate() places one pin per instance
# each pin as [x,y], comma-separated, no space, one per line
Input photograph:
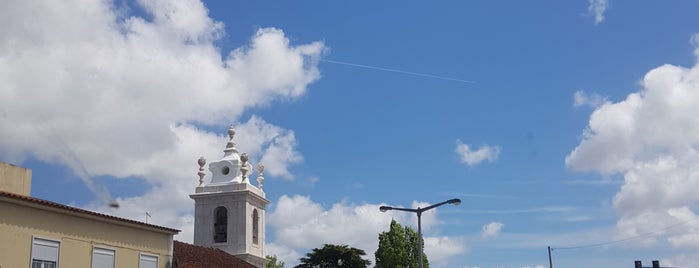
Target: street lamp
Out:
[419,211]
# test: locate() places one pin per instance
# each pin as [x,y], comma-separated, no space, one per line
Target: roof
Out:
[28,200]
[190,256]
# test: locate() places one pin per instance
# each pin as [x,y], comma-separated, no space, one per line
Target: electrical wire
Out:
[626,239]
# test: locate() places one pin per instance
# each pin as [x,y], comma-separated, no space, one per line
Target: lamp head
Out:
[384,208]
[455,201]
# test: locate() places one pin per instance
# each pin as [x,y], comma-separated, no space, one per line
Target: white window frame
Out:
[103,251]
[48,243]
[148,258]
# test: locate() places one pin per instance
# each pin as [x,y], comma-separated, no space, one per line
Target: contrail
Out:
[399,71]
[74,162]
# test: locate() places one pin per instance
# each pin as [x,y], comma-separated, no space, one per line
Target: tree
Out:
[272,262]
[398,248]
[334,256]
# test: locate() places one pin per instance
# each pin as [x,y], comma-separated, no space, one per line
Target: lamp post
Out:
[419,212]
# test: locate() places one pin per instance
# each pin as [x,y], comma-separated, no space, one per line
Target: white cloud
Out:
[279,146]
[473,157]
[581,98]
[652,138]
[680,260]
[428,218]
[695,42]
[299,224]
[128,95]
[302,224]
[130,80]
[492,229]
[283,253]
[439,249]
[168,199]
[596,8]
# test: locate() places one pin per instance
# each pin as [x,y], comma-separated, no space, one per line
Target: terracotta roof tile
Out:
[191,256]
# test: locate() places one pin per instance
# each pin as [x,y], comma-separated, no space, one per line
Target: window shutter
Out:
[45,250]
[102,258]
[148,261]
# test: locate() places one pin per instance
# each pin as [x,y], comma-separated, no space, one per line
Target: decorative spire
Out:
[230,146]
[201,173]
[260,175]
[244,167]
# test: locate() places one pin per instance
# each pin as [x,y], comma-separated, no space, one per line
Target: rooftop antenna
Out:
[147,216]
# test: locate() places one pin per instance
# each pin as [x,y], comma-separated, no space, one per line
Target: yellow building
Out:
[36,233]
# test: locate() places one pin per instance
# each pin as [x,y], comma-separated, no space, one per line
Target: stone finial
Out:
[260,175]
[244,167]
[230,146]
[201,173]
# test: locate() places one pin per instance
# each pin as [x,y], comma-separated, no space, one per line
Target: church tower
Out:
[229,212]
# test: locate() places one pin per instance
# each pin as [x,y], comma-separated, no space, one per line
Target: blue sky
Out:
[557,123]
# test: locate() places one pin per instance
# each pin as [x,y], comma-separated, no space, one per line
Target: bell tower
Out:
[229,212]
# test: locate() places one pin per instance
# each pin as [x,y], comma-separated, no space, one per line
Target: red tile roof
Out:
[49,204]
[191,256]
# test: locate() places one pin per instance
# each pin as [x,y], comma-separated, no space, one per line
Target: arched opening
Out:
[220,225]
[255,227]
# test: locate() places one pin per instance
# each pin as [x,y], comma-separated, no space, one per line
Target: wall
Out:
[19,223]
[15,179]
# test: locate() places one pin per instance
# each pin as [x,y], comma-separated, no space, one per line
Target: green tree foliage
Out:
[398,248]
[334,256]
[272,262]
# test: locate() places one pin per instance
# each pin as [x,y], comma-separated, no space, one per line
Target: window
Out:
[255,226]
[148,261]
[220,225]
[43,264]
[45,253]
[102,258]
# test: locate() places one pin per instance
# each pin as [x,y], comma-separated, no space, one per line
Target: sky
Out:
[569,124]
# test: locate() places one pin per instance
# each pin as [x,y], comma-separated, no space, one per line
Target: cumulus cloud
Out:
[133,96]
[168,199]
[680,260]
[596,8]
[695,42]
[492,229]
[272,145]
[286,254]
[472,157]
[300,224]
[440,248]
[652,139]
[429,218]
[582,98]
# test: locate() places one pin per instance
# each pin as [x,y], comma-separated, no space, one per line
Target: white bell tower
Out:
[229,212]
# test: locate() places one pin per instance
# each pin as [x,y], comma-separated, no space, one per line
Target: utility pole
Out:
[550,262]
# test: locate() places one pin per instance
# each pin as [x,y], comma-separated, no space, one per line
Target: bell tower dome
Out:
[229,212]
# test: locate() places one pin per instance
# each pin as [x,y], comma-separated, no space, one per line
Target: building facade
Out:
[229,212]
[37,233]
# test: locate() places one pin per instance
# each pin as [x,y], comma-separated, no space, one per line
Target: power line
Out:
[618,240]
[626,239]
